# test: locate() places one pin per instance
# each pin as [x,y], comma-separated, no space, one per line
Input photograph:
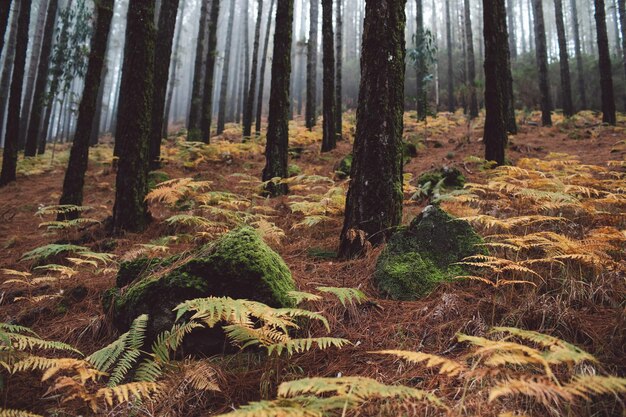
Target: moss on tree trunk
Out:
[374,202]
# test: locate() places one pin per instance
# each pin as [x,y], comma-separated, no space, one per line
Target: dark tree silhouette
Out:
[566,84]
[497,70]
[621,4]
[134,119]
[7,68]
[451,100]
[471,61]
[207,101]
[606,75]
[247,114]
[579,55]
[162,55]
[338,70]
[9,157]
[374,202]
[276,149]
[541,51]
[259,103]
[79,155]
[5,9]
[420,63]
[329,140]
[311,68]
[221,113]
[197,91]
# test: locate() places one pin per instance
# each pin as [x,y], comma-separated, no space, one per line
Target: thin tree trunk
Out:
[566,84]
[197,91]
[97,119]
[221,115]
[511,26]
[259,104]
[276,149]
[622,17]
[339,71]
[374,202]
[247,115]
[471,62]
[9,156]
[542,63]
[329,140]
[162,56]
[130,212]
[5,8]
[79,156]
[7,69]
[497,69]
[449,44]
[311,68]
[420,64]
[207,102]
[579,56]
[606,76]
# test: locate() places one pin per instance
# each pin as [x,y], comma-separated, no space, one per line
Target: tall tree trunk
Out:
[542,63]
[420,64]
[497,69]
[616,25]
[9,157]
[606,75]
[7,69]
[245,85]
[97,119]
[374,202]
[221,114]
[232,98]
[162,56]
[566,84]
[311,67]
[449,44]
[173,72]
[579,55]
[197,92]
[39,98]
[329,141]
[259,104]
[130,212]
[511,26]
[339,71]
[471,62]
[276,149]
[79,155]
[622,18]
[36,48]
[247,114]
[5,8]
[207,102]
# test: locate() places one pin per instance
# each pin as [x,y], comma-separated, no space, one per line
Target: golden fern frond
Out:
[245,336]
[305,406]
[9,412]
[447,366]
[300,296]
[269,231]
[543,390]
[304,345]
[14,273]
[585,385]
[126,392]
[346,296]
[39,363]
[201,376]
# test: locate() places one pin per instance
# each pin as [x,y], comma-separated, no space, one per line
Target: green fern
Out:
[346,296]
[304,345]
[300,296]
[52,249]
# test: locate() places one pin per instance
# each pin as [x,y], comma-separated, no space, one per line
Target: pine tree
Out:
[9,156]
[338,70]
[207,101]
[162,55]
[451,101]
[566,84]
[471,61]
[247,115]
[221,114]
[5,9]
[197,90]
[606,76]
[277,147]
[579,55]
[134,119]
[259,103]
[420,63]
[7,68]
[79,155]
[542,63]
[311,68]
[374,202]
[497,70]
[329,140]
[621,4]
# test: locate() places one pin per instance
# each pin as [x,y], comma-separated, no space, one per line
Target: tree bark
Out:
[329,140]
[606,76]
[497,69]
[97,119]
[579,55]
[243,98]
[420,64]
[9,156]
[542,63]
[339,71]
[621,4]
[259,104]
[173,70]
[79,155]
[197,92]
[134,119]
[7,69]
[247,115]
[471,62]
[276,149]
[511,26]
[374,202]
[566,84]
[311,68]
[221,114]
[451,101]
[207,102]
[162,56]
[5,8]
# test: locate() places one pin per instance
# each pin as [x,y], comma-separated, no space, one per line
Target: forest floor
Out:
[429,324]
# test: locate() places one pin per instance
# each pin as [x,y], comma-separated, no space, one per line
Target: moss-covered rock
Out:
[238,265]
[424,253]
[345,167]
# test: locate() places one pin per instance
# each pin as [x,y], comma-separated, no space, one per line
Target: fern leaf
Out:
[300,296]
[542,390]
[304,345]
[345,295]
[584,385]
[8,412]
[447,366]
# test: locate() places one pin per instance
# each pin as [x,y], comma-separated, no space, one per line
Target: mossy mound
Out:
[238,265]
[420,256]
[294,170]
[345,167]
[452,177]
